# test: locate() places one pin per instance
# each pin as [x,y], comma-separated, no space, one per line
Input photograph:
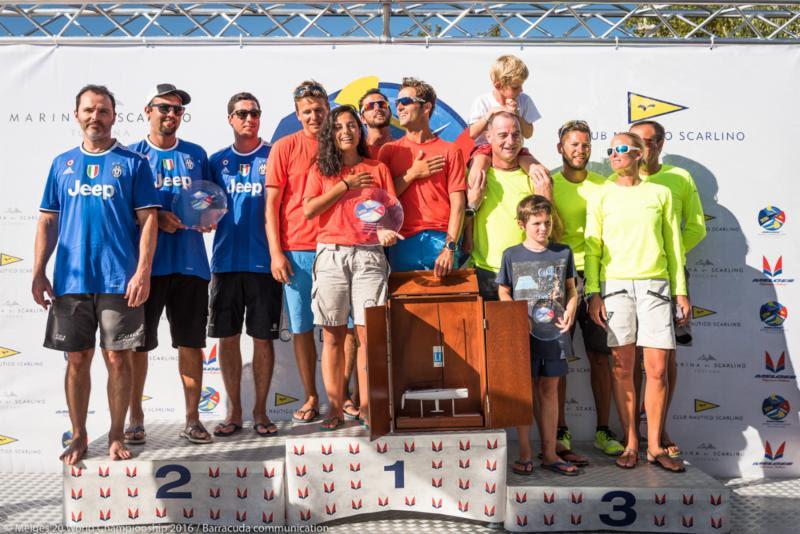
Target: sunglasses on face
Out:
[310,90]
[621,149]
[567,126]
[164,109]
[243,113]
[408,100]
[375,104]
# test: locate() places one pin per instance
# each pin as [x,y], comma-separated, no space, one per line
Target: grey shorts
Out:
[347,279]
[640,312]
[73,320]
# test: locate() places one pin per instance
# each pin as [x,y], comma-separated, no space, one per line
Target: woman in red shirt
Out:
[347,191]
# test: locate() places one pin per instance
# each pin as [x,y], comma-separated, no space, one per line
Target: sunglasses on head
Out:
[243,113]
[310,90]
[567,126]
[164,109]
[375,104]
[408,100]
[621,149]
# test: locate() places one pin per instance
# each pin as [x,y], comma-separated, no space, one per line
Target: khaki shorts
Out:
[640,312]
[347,279]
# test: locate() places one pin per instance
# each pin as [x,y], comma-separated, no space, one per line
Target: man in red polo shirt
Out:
[430,180]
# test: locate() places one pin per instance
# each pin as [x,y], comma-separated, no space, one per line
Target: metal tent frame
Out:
[484,23]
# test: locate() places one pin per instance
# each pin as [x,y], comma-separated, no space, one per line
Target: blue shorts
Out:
[543,364]
[297,293]
[418,252]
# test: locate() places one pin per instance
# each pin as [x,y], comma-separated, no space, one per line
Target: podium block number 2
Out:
[166,490]
[399,473]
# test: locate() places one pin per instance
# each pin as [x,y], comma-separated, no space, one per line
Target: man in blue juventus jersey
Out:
[241,280]
[97,198]
[180,267]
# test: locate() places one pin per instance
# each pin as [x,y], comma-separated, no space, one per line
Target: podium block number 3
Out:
[166,490]
[626,507]
[399,473]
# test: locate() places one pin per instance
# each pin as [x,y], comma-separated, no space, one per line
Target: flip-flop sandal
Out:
[269,429]
[328,425]
[654,460]
[196,428]
[220,431]
[524,471]
[302,419]
[576,459]
[349,415]
[672,449]
[627,453]
[133,430]
[559,467]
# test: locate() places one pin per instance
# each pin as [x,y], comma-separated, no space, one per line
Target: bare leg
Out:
[655,400]
[190,366]
[333,368]
[622,372]
[672,378]
[77,385]
[547,417]
[263,364]
[118,364]
[230,364]
[523,433]
[637,384]
[562,401]
[350,356]
[139,364]
[601,385]
[305,353]
[361,373]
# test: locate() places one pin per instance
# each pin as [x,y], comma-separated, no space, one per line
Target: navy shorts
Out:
[547,367]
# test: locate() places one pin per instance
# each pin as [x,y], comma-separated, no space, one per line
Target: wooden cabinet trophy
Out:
[440,358]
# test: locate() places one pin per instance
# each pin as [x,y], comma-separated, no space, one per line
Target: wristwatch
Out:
[450,245]
[469,212]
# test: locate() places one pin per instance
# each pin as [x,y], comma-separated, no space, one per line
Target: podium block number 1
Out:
[399,473]
[166,490]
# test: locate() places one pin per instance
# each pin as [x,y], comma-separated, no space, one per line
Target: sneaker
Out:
[606,441]
[564,438]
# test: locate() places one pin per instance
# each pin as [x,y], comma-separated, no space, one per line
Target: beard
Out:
[163,129]
[379,124]
[574,167]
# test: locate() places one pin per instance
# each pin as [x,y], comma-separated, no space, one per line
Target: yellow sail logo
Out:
[698,312]
[702,406]
[642,107]
[7,259]
[5,440]
[5,352]
[281,399]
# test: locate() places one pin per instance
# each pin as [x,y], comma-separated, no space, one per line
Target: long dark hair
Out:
[329,159]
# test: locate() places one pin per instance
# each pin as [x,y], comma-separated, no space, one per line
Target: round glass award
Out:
[200,205]
[371,211]
[544,314]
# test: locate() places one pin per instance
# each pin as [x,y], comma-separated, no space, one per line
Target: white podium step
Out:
[604,497]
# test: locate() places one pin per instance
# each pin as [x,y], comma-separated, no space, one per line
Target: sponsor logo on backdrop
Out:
[10,400]
[776,408]
[774,456]
[5,352]
[16,217]
[773,314]
[8,359]
[700,315]
[8,259]
[775,367]
[5,440]
[708,363]
[66,438]
[710,452]
[705,268]
[209,399]
[701,409]
[210,361]
[12,308]
[27,117]
[771,219]
[713,224]
[576,408]
[773,273]
[154,407]
[641,107]
[282,399]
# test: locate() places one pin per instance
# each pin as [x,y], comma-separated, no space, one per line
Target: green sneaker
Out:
[564,438]
[606,441]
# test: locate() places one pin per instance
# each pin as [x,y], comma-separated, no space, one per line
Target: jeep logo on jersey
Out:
[254,189]
[86,190]
[93,171]
[168,164]
[116,170]
[173,181]
[244,169]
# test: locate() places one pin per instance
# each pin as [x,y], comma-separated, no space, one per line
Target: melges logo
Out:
[771,219]
[776,367]
[209,399]
[773,314]
[773,454]
[775,407]
[772,271]
[210,360]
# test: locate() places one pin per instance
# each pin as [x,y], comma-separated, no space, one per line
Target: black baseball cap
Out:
[163,89]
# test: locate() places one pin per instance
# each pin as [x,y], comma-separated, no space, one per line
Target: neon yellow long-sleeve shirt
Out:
[632,233]
[685,202]
[570,200]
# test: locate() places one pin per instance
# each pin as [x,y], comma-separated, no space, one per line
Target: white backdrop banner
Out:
[729,119]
